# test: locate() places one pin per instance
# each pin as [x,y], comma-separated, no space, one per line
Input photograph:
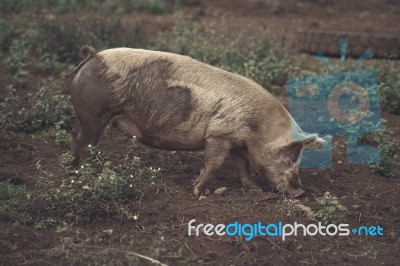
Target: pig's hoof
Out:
[199,191]
[196,191]
[297,193]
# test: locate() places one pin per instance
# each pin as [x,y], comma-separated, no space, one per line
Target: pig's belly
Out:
[179,142]
[182,137]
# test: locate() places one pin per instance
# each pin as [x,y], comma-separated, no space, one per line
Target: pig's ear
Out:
[294,149]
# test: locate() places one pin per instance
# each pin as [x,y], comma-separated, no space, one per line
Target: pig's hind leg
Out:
[242,163]
[215,153]
[127,127]
[85,134]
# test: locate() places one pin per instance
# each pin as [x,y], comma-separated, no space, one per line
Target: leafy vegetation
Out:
[330,206]
[49,44]
[388,146]
[36,111]
[96,190]
[389,86]
[13,203]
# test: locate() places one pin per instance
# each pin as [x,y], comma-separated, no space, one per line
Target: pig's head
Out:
[281,165]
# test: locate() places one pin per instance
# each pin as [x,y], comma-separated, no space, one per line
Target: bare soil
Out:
[168,205]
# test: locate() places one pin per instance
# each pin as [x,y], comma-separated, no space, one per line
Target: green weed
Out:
[6,31]
[36,111]
[388,146]
[330,207]
[63,138]
[389,86]
[371,252]
[49,44]
[14,202]
[98,188]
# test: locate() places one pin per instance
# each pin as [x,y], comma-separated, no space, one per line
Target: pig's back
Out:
[179,70]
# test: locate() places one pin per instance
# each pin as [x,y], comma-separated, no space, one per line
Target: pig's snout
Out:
[295,192]
[284,183]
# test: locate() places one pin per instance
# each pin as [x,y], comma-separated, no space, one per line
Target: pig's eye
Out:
[290,162]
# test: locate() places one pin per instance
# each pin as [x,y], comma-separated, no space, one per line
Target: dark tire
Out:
[382,45]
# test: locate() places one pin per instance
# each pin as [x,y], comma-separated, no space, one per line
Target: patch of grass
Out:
[14,203]
[36,111]
[63,38]
[388,75]
[388,146]
[330,206]
[48,44]
[151,6]
[97,190]
[7,191]
[6,31]
[62,6]
[63,138]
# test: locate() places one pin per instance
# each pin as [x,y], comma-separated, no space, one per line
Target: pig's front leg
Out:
[214,156]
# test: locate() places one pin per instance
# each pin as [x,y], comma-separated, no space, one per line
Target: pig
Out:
[170,101]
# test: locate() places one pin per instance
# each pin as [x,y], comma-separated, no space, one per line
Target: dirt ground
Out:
[167,207]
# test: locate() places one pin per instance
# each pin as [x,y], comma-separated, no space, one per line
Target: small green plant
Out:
[63,139]
[330,207]
[13,203]
[7,191]
[371,252]
[276,7]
